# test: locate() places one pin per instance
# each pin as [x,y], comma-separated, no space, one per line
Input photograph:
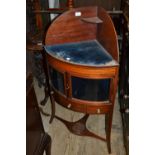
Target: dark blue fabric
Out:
[84,89]
[86,52]
[57,80]
[90,89]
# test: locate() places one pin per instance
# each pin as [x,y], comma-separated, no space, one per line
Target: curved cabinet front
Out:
[81,94]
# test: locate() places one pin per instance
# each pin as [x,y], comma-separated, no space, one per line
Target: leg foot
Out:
[108,124]
[52,108]
[48,148]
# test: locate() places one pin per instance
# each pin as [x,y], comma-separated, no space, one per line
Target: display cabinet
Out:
[82,58]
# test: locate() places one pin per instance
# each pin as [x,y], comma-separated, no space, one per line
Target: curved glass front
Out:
[82,88]
[90,89]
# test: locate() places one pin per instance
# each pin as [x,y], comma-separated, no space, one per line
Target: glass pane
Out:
[57,80]
[90,89]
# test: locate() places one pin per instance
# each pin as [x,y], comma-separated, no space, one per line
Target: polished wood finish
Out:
[69,28]
[107,29]
[82,71]
[70,3]
[72,30]
[82,106]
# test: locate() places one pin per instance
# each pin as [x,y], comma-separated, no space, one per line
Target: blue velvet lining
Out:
[85,52]
[90,89]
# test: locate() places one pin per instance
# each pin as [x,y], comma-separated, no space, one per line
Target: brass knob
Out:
[98,111]
[69,105]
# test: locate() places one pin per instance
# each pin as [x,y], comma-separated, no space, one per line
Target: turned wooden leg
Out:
[52,107]
[48,91]
[47,85]
[43,102]
[108,125]
[48,148]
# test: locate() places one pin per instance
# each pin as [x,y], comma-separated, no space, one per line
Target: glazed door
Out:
[90,89]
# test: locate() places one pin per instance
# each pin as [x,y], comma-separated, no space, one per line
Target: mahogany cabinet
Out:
[82,58]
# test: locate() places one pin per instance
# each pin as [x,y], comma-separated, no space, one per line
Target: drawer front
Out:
[98,109]
[82,107]
[70,104]
[77,107]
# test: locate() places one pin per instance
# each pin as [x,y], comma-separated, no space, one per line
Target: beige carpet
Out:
[65,143]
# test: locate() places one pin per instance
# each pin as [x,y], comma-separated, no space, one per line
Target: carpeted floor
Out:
[65,143]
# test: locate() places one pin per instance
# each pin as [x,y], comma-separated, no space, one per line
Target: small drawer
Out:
[70,104]
[77,107]
[97,109]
